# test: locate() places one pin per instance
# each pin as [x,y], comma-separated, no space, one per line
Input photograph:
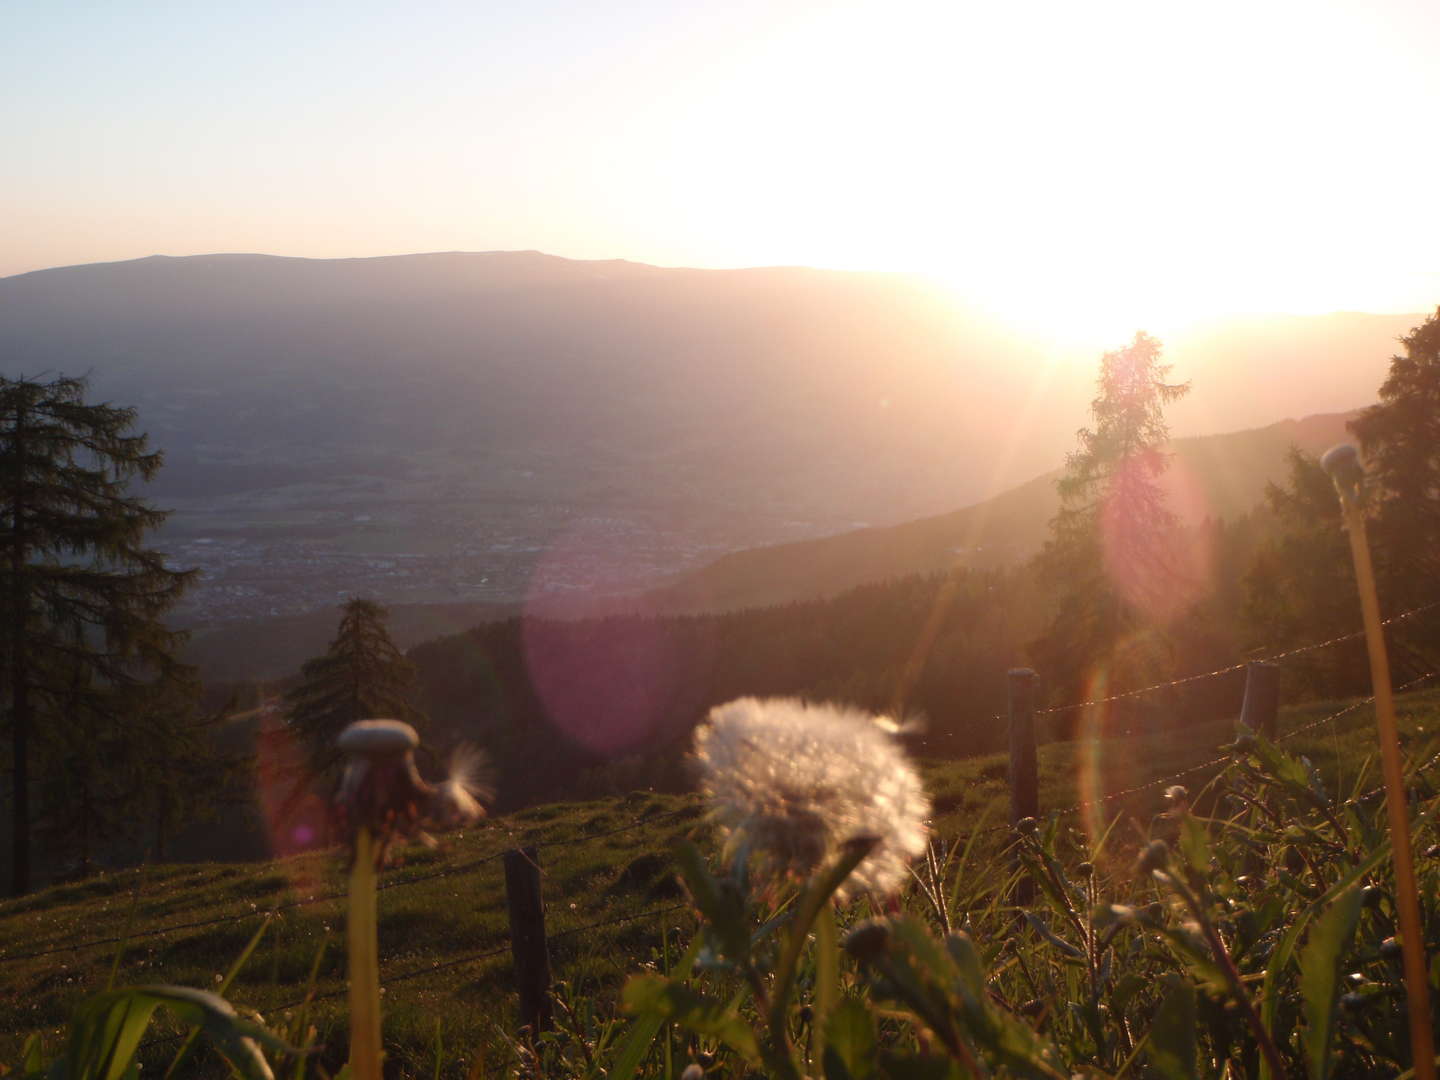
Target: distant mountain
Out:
[486,427]
[1217,476]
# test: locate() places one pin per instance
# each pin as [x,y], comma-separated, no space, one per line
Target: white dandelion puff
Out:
[792,781]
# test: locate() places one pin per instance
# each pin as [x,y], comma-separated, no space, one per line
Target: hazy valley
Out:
[496,429]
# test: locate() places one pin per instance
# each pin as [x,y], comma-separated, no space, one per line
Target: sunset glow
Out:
[1084,169]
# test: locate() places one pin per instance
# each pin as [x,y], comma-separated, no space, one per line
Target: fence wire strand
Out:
[1230,669]
[290,905]
[1311,725]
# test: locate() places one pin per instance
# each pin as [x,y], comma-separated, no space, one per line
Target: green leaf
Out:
[1171,1044]
[850,1042]
[668,999]
[1041,927]
[107,1029]
[815,896]
[1126,987]
[1194,844]
[1195,953]
[1280,958]
[915,1067]
[1330,937]
[1293,774]
[722,905]
[642,1034]
[827,973]
[184,1052]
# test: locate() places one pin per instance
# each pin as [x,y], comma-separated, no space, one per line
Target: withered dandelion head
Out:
[382,790]
[791,782]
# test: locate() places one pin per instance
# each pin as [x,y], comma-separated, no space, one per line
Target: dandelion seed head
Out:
[792,781]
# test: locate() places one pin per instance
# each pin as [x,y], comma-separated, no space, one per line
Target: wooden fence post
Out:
[1024,782]
[527,937]
[1262,698]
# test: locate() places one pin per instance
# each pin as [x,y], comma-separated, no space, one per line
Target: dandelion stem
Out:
[364,963]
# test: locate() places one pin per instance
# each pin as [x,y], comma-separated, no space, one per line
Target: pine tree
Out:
[81,599]
[1111,556]
[1400,438]
[1301,588]
[362,675]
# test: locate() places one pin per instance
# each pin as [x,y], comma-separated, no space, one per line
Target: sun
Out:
[1082,306]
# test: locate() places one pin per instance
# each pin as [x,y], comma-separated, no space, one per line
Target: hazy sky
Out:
[1087,160]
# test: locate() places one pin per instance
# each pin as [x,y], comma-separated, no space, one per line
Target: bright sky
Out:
[1112,161]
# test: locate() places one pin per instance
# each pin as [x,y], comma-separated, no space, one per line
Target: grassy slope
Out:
[455,908]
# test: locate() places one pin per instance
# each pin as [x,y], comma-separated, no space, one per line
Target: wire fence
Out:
[1214,763]
[474,864]
[455,870]
[471,865]
[1232,668]
[437,966]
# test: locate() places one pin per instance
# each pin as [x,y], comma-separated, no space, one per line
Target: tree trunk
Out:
[19,684]
[162,813]
[86,811]
[20,773]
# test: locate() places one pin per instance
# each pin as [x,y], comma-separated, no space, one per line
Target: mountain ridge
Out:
[1012,525]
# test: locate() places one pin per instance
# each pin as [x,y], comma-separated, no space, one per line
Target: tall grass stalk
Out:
[1345,470]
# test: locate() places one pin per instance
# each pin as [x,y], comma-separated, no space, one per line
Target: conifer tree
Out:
[81,598]
[1400,438]
[362,675]
[1302,587]
[1110,556]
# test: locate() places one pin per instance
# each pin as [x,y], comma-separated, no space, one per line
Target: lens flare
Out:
[296,819]
[611,682]
[1157,550]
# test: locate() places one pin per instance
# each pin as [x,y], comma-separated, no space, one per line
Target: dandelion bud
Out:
[868,941]
[1085,870]
[1156,856]
[1343,464]
[1353,1002]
